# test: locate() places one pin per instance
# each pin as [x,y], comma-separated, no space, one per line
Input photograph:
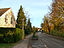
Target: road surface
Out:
[44,41]
[50,42]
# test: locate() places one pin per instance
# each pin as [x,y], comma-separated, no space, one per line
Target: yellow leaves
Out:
[47,30]
[51,27]
[56,17]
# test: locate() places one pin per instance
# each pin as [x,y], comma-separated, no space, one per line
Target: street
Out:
[50,42]
[44,41]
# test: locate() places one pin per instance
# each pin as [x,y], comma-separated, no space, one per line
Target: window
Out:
[11,20]
[6,18]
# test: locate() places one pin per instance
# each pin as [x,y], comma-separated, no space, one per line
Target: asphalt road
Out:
[50,42]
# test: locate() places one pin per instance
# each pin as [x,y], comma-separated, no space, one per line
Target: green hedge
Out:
[18,34]
[57,33]
[9,36]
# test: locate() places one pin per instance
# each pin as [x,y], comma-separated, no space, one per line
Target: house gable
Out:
[3,10]
[7,18]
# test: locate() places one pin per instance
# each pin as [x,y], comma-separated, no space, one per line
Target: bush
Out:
[34,34]
[62,35]
[5,30]
[54,32]
[27,31]
[57,33]
[8,37]
[19,34]
[13,35]
[1,38]
[34,37]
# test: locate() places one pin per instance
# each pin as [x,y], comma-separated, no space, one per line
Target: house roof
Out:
[3,10]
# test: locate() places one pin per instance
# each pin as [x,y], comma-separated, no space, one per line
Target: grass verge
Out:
[6,45]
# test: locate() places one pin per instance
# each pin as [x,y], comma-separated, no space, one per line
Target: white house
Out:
[7,19]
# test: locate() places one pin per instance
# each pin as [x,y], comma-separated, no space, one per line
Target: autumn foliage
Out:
[55,19]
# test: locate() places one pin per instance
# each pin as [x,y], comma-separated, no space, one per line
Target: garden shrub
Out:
[57,33]
[17,34]
[34,37]
[1,38]
[8,37]
[34,34]
[5,30]
[11,35]
[62,34]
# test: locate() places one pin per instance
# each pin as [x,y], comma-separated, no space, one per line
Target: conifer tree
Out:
[28,27]
[20,18]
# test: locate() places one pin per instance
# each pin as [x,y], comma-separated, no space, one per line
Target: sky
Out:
[34,9]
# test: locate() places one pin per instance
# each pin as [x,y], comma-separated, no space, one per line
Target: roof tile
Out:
[3,10]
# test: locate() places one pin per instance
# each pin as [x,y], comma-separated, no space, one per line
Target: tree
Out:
[57,12]
[41,24]
[55,21]
[28,27]
[46,24]
[21,21]
[20,18]
[34,29]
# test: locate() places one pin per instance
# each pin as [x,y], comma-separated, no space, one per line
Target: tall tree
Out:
[46,24]
[41,24]
[20,18]
[57,12]
[28,27]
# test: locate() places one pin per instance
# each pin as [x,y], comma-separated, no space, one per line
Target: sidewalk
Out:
[24,43]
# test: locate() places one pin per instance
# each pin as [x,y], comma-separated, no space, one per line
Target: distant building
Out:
[7,19]
[39,29]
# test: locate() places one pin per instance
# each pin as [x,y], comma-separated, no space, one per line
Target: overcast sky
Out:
[36,9]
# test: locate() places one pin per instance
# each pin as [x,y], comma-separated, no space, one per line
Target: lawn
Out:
[9,45]
[5,45]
